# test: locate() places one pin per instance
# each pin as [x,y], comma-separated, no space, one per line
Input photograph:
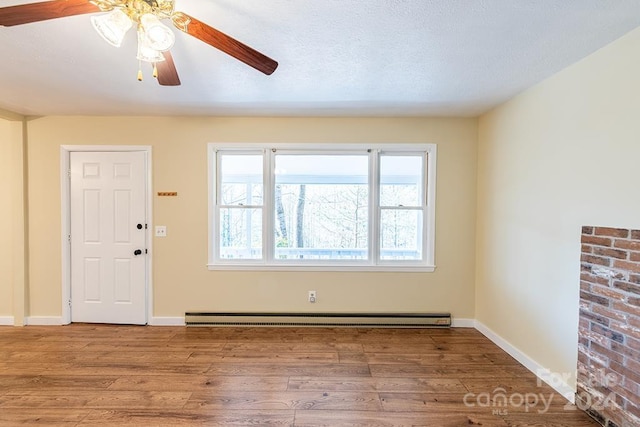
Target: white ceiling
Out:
[337,57]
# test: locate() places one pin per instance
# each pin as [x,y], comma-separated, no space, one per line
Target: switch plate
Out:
[161,231]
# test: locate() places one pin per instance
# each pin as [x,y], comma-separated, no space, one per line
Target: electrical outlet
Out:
[161,231]
[312,296]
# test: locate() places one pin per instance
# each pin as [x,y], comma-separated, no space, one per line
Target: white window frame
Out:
[426,264]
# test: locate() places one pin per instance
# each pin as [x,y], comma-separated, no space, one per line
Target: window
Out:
[355,207]
[240,206]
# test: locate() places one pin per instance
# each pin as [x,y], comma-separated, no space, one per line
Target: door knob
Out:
[139,226]
[137,252]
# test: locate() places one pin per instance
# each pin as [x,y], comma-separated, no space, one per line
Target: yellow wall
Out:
[181,279]
[12,220]
[561,155]
[6,220]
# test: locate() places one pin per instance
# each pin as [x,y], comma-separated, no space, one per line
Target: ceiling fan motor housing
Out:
[136,8]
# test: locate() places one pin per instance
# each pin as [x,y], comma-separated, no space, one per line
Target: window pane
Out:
[400,234]
[240,233]
[321,207]
[241,179]
[401,180]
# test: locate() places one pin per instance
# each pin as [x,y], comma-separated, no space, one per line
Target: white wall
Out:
[563,154]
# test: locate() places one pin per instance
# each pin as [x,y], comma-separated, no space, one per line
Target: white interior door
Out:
[108,235]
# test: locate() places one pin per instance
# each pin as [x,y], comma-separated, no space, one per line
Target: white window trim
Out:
[425,265]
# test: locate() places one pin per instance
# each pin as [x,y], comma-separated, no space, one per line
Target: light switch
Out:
[161,231]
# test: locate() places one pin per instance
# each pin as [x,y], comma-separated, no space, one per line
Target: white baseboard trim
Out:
[560,386]
[463,323]
[43,320]
[166,321]
[7,320]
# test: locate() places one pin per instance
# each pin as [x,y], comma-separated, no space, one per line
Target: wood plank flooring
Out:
[103,375]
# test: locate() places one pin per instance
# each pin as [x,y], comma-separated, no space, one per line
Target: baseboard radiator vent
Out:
[376,320]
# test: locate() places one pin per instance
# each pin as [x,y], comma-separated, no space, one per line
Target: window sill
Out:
[322,267]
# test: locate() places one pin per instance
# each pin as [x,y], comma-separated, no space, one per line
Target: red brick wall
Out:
[609,331]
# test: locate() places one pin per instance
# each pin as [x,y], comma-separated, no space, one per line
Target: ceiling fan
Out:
[154,38]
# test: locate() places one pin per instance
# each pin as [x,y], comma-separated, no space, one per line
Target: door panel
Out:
[92,280]
[122,292]
[108,200]
[91,216]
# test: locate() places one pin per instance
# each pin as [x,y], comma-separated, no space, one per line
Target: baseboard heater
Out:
[377,320]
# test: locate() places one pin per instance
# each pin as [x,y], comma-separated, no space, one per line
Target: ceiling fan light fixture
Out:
[112,26]
[158,36]
[145,51]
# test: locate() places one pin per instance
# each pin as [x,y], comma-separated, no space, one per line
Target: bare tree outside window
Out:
[322,198]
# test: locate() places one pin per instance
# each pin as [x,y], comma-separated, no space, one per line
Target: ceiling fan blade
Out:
[225,43]
[167,73]
[35,12]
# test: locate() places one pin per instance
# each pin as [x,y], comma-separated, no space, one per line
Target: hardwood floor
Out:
[102,375]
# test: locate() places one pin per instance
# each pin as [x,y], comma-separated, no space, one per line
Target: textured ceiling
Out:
[337,57]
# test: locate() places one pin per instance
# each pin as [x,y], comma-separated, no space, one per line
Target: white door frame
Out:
[65,185]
